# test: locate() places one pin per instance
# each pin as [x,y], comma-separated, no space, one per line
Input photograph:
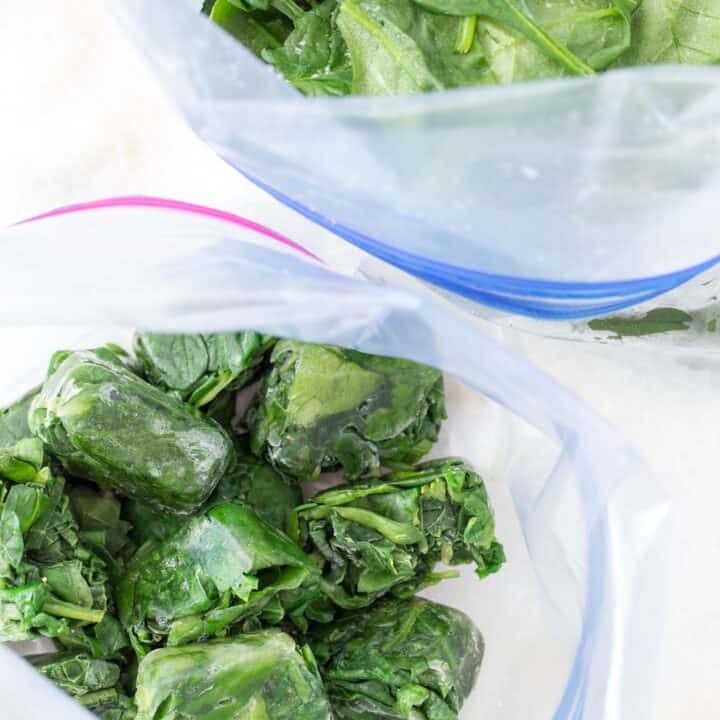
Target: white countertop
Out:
[80,118]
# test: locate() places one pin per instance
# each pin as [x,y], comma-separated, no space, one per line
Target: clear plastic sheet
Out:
[555,199]
[572,623]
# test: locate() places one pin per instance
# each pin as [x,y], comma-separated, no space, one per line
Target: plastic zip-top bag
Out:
[573,621]
[555,199]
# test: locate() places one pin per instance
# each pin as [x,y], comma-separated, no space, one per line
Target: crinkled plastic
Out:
[574,620]
[556,199]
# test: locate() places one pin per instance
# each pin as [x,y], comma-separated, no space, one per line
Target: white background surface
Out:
[80,118]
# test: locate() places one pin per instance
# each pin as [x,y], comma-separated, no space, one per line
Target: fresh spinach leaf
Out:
[397,47]
[257,30]
[515,15]
[409,46]
[314,57]
[674,31]
[595,31]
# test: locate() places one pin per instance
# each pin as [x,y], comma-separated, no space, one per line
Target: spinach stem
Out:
[466,34]
[73,612]
[98,697]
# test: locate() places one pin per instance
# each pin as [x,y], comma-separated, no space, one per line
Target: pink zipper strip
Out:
[167,204]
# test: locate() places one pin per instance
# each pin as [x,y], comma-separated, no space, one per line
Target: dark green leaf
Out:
[314,57]
[222,409]
[111,636]
[261,676]
[252,482]
[198,367]
[11,542]
[14,421]
[226,559]
[258,30]
[51,583]
[100,513]
[22,461]
[109,704]
[28,503]
[400,659]
[255,484]
[66,581]
[124,434]
[388,535]
[324,408]
[289,8]
[54,536]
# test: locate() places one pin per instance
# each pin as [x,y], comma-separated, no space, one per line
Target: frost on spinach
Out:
[252,482]
[389,534]
[219,569]
[325,408]
[390,47]
[107,425]
[199,367]
[260,676]
[399,659]
[164,561]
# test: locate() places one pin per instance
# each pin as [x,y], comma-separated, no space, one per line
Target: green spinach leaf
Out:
[314,57]
[14,421]
[674,31]
[592,34]
[51,583]
[399,659]
[258,30]
[199,367]
[387,535]
[76,673]
[324,408]
[261,676]
[397,47]
[219,568]
[107,425]
[251,482]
